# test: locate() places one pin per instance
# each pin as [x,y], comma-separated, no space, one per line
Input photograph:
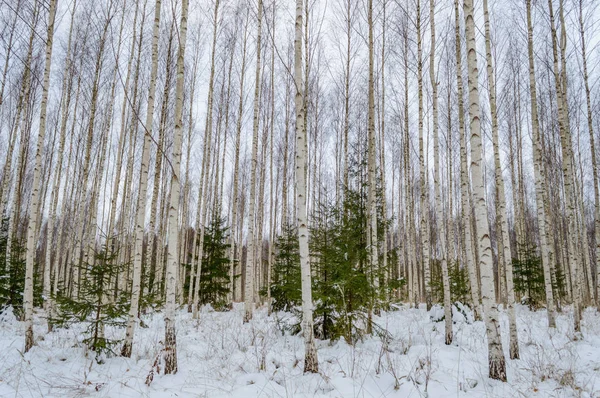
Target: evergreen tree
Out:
[12,275]
[529,276]
[286,290]
[345,287]
[93,306]
[214,276]
[460,290]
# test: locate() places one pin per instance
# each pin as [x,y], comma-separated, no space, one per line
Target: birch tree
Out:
[170,350]
[311,363]
[438,182]
[504,252]
[250,261]
[36,184]
[497,365]
[142,190]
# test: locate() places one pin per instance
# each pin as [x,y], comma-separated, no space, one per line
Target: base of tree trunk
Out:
[170,355]
[311,362]
[126,350]
[497,369]
[477,313]
[29,338]
[449,337]
[514,349]
[247,316]
[551,319]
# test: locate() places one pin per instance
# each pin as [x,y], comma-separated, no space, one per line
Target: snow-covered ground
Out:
[221,357]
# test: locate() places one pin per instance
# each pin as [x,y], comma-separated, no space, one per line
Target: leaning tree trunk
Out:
[311,363]
[36,184]
[497,365]
[172,261]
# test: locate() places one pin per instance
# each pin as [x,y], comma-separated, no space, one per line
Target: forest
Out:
[332,198]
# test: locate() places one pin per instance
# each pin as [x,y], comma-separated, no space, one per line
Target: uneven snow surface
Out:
[221,357]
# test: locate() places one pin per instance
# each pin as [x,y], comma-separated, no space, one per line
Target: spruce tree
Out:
[214,276]
[286,290]
[93,306]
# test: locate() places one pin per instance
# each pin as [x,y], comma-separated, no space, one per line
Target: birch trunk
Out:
[504,252]
[592,149]
[172,264]
[36,184]
[236,167]
[497,365]
[464,178]
[67,85]
[372,171]
[567,170]
[250,261]
[409,222]
[437,182]
[311,363]
[142,192]
[424,173]
[204,179]
[152,254]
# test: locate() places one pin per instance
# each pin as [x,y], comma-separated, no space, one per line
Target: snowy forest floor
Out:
[221,357]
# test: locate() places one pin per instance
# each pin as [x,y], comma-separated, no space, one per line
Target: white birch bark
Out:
[236,166]
[424,173]
[172,261]
[437,182]
[372,170]
[568,179]
[497,365]
[502,232]
[311,363]
[142,191]
[592,149]
[250,261]
[204,178]
[35,191]
[464,179]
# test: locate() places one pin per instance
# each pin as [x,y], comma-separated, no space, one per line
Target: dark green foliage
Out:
[286,289]
[150,294]
[460,285]
[460,289]
[396,283]
[214,276]
[12,275]
[343,288]
[559,283]
[344,283]
[95,305]
[529,276]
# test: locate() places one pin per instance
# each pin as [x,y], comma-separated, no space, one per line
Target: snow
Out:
[221,357]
